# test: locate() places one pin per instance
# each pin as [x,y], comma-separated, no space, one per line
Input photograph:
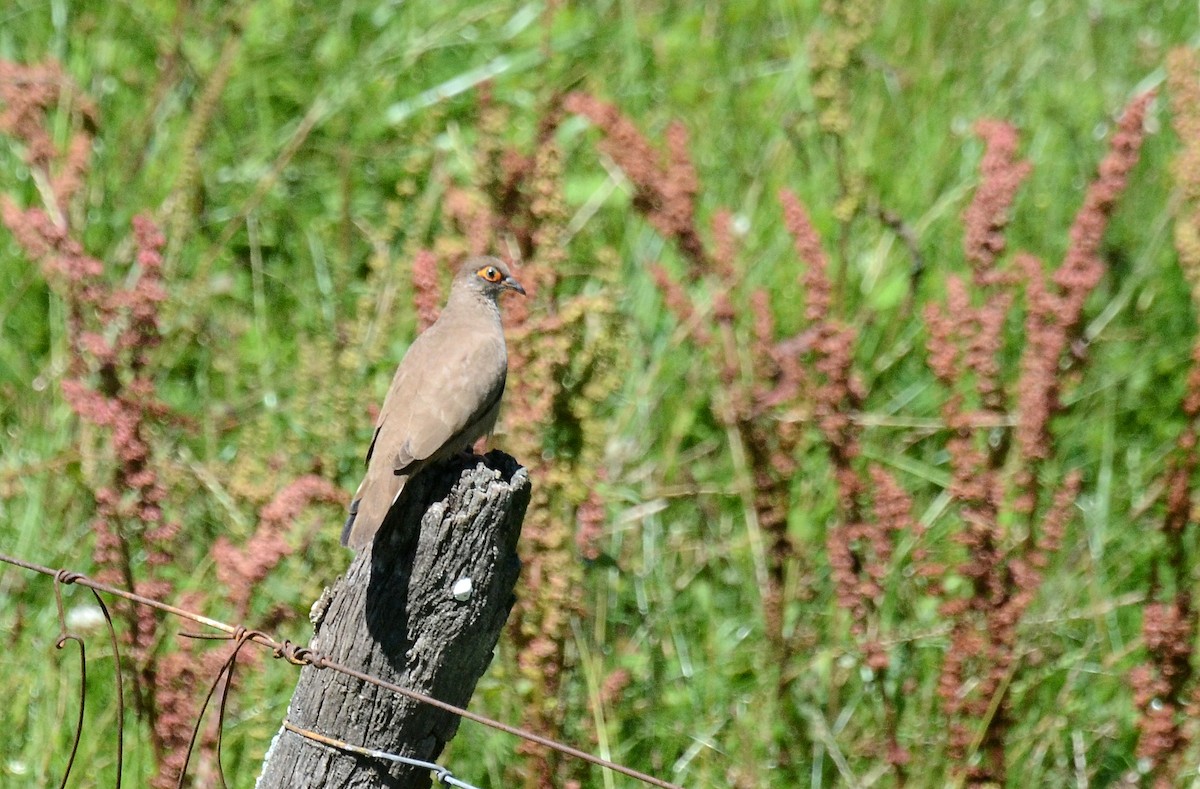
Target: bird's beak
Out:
[512,284]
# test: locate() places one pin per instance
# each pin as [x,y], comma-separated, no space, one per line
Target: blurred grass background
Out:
[296,155]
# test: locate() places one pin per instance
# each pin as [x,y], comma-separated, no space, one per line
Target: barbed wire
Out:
[297,655]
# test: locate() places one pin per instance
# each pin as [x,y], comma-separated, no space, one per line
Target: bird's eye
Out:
[490,273]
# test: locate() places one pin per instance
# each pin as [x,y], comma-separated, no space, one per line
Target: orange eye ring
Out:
[489,273]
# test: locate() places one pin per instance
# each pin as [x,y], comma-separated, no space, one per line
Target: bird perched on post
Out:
[444,397]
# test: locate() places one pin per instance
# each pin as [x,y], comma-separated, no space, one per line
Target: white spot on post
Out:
[462,590]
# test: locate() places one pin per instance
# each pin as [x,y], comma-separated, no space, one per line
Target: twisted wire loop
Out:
[224,679]
[302,656]
[441,773]
[64,635]
[63,577]
[299,655]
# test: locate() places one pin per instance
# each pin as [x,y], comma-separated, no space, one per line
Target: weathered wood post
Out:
[395,615]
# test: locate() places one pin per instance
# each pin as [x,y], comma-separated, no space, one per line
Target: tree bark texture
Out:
[394,616]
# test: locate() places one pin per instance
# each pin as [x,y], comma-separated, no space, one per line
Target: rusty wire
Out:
[224,680]
[300,656]
[64,635]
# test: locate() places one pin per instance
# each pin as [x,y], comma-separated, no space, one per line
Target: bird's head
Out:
[487,276]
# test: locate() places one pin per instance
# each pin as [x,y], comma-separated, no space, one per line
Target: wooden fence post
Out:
[403,613]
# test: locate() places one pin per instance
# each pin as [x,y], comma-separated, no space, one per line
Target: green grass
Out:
[334,140]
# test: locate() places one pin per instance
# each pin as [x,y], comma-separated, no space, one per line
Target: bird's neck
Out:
[475,304]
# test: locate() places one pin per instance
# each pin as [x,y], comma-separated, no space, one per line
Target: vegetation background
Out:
[861,494]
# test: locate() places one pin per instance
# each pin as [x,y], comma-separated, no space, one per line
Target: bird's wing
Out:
[447,384]
[457,392]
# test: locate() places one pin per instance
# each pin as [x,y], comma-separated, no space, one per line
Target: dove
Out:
[444,397]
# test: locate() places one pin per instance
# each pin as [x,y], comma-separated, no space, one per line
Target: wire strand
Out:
[441,773]
[300,655]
